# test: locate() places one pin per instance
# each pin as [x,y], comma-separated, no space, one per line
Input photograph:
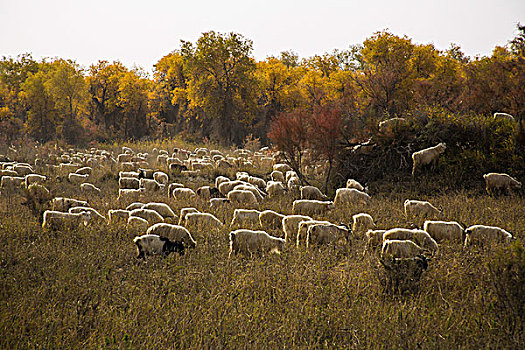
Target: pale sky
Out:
[141,32]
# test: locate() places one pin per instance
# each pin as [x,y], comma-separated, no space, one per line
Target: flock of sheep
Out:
[252,231]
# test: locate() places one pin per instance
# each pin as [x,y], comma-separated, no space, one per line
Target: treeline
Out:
[215,89]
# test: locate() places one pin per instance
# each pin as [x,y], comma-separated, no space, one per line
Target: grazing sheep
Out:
[138,224]
[57,219]
[351,183]
[64,204]
[291,226]
[86,187]
[310,207]
[161,177]
[270,219]
[416,208]
[116,215]
[253,189]
[207,192]
[319,234]
[500,181]
[312,192]
[293,183]
[441,231]
[37,193]
[150,185]
[227,186]
[11,183]
[302,230]
[84,170]
[277,176]
[135,205]
[427,156]
[249,242]
[421,238]
[352,196]
[216,203]
[362,222]
[146,173]
[77,178]
[391,124]
[129,183]
[245,218]
[173,186]
[400,249]
[183,193]
[503,116]
[163,209]
[220,179]
[243,197]
[257,181]
[186,211]
[149,244]
[481,235]
[132,174]
[175,233]
[374,239]
[125,194]
[274,188]
[23,169]
[34,178]
[283,168]
[147,214]
[202,220]
[94,214]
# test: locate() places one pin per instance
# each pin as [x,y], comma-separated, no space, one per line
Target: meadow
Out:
[84,288]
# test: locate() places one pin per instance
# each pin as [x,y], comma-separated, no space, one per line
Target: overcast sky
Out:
[141,32]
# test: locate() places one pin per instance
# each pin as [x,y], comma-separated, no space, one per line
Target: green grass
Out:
[83,288]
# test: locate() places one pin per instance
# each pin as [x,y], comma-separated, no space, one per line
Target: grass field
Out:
[83,288]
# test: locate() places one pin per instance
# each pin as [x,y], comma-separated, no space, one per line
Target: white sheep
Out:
[269,219]
[148,214]
[186,211]
[227,186]
[84,170]
[441,231]
[89,188]
[310,207]
[401,249]
[217,203]
[245,218]
[277,175]
[129,183]
[11,183]
[500,181]
[243,197]
[253,189]
[291,226]
[420,237]
[391,124]
[161,177]
[207,192]
[132,174]
[163,209]
[117,215]
[183,193]
[257,181]
[416,208]
[250,242]
[351,196]
[94,213]
[275,188]
[150,185]
[351,183]
[302,230]
[57,219]
[175,233]
[427,156]
[220,179]
[202,220]
[150,244]
[374,239]
[77,178]
[34,178]
[481,234]
[63,204]
[319,234]
[283,168]
[362,222]
[135,205]
[312,192]
[293,183]
[503,117]
[137,223]
[125,194]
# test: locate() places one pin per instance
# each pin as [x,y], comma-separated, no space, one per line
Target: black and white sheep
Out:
[150,244]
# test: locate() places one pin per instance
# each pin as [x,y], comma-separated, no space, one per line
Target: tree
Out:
[133,104]
[222,83]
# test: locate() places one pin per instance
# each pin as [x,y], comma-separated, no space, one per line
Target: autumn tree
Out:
[222,84]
